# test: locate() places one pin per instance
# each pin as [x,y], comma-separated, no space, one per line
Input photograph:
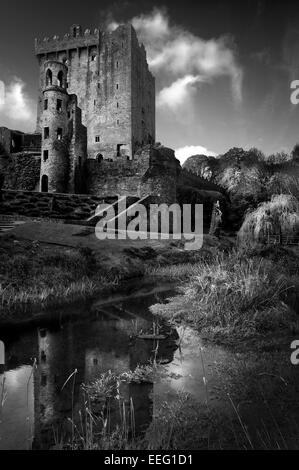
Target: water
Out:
[95,339]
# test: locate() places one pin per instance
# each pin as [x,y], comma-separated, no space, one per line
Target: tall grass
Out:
[233,297]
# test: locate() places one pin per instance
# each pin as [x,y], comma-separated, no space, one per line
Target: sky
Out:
[223,68]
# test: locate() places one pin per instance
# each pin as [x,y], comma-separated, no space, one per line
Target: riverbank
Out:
[236,297]
[47,265]
[35,276]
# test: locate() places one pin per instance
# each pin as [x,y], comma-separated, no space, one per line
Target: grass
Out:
[35,276]
[237,296]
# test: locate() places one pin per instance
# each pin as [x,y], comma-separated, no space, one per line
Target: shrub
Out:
[278,217]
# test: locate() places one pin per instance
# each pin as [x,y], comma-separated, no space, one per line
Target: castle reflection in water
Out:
[36,402]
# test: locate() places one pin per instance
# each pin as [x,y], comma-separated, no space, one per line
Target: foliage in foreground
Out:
[32,275]
[235,297]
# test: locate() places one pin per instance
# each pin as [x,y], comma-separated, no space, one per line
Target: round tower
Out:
[55,136]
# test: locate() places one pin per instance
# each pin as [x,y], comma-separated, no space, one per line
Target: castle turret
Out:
[62,133]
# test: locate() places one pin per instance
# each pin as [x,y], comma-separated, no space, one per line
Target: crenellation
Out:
[116,93]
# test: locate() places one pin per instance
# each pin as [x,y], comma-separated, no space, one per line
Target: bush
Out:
[278,217]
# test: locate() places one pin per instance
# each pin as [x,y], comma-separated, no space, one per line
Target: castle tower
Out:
[108,72]
[63,136]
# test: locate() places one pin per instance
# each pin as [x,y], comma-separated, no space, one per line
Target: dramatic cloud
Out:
[185,152]
[15,107]
[176,54]
[178,93]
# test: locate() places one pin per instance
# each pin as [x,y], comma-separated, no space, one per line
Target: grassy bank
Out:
[240,295]
[34,275]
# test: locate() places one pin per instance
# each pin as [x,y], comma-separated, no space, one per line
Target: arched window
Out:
[49,77]
[60,78]
[74,32]
[44,184]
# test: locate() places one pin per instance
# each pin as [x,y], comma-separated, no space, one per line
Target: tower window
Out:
[99,85]
[59,105]
[45,105]
[49,77]
[60,78]
[68,114]
[44,184]
[93,57]
[59,133]
[118,149]
[118,122]
[46,155]
[80,161]
[97,139]
[117,86]
[94,103]
[117,104]
[46,132]
[117,64]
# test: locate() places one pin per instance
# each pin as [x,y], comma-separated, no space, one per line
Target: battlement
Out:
[76,38]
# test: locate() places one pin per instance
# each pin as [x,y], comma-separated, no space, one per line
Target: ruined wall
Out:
[21,171]
[121,177]
[154,170]
[5,140]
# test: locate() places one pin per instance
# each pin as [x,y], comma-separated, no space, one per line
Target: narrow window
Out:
[49,77]
[118,122]
[45,105]
[68,114]
[80,161]
[60,79]
[74,32]
[117,105]
[59,105]
[93,57]
[99,85]
[46,155]
[117,86]
[94,103]
[97,139]
[118,149]
[44,184]
[117,64]
[59,133]
[46,132]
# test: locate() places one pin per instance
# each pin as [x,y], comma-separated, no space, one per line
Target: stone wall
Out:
[61,206]
[116,92]
[154,171]
[21,171]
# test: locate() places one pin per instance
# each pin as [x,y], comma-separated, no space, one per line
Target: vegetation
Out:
[271,221]
[249,177]
[38,276]
[237,296]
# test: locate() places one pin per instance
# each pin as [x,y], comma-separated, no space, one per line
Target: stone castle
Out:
[95,131]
